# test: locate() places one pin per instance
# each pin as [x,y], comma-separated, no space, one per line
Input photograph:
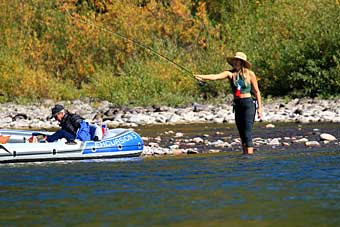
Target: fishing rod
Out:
[139,44]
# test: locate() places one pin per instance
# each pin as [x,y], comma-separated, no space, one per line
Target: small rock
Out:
[169,132]
[198,140]
[156,108]
[158,139]
[213,151]
[312,144]
[151,144]
[111,112]
[192,151]
[98,116]
[298,112]
[147,151]
[326,136]
[174,147]
[270,126]
[303,140]
[274,142]
[237,140]
[179,134]
[20,116]
[160,151]
[198,107]
[145,138]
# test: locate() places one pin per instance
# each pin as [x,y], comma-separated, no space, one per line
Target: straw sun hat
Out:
[241,56]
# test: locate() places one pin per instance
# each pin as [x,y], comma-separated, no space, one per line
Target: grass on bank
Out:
[293,45]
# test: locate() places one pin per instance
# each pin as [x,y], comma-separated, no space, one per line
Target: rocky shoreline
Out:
[217,138]
[36,116]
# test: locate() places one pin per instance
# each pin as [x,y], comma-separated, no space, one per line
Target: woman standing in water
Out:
[242,81]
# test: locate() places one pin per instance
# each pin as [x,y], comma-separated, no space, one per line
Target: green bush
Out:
[47,53]
[294,46]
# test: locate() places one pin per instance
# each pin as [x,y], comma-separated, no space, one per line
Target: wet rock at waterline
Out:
[279,138]
[175,142]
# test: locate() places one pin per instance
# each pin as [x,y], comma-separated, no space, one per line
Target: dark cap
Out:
[56,109]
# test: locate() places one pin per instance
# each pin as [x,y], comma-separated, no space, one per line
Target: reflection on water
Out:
[298,188]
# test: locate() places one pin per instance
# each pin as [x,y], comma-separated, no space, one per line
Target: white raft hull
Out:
[118,143]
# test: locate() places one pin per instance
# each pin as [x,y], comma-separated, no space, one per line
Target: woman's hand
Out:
[198,77]
[259,113]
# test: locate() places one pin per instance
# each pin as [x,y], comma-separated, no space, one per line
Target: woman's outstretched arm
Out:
[219,76]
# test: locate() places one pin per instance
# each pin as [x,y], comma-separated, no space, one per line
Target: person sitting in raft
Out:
[72,126]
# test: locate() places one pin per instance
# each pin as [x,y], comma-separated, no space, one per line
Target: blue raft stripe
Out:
[126,142]
[112,149]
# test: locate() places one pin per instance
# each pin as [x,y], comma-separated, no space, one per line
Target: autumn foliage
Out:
[109,49]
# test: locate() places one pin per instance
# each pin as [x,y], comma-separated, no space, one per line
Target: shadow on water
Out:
[295,187]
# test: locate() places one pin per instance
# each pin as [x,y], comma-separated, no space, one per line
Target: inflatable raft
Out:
[116,143]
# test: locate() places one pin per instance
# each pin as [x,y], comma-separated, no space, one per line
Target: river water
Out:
[270,188]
